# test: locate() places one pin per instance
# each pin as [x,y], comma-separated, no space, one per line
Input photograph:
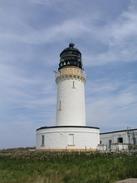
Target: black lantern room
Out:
[70,57]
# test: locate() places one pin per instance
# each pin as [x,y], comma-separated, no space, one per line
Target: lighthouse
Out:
[70,131]
[70,81]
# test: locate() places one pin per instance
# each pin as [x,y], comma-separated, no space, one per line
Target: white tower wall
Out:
[70,109]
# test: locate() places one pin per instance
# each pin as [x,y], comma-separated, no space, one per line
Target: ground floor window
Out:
[42,140]
[71,140]
[109,143]
[120,140]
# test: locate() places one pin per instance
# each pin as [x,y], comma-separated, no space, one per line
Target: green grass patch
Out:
[23,166]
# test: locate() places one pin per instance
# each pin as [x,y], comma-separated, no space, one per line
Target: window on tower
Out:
[59,106]
[73,85]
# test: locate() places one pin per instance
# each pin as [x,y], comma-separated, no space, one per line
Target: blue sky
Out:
[34,32]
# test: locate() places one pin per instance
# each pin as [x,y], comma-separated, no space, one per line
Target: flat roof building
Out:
[119,140]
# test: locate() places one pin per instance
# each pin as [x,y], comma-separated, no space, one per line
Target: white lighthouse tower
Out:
[70,81]
[70,131]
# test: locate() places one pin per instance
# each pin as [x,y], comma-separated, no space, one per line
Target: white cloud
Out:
[69,28]
[112,110]
[46,2]
[19,133]
[102,86]
[119,37]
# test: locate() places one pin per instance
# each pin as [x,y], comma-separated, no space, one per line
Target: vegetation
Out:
[27,166]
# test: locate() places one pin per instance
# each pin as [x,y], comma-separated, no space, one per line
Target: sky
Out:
[32,35]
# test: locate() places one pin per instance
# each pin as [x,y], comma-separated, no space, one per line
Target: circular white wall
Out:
[67,138]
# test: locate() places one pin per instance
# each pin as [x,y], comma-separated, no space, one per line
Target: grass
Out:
[23,166]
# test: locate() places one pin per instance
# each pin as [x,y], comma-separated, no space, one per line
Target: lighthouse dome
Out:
[70,56]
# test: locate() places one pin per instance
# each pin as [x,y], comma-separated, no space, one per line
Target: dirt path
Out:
[131,180]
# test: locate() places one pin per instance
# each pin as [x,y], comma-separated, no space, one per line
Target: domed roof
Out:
[70,56]
[70,49]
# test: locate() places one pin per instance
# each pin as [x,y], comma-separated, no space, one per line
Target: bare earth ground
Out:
[131,180]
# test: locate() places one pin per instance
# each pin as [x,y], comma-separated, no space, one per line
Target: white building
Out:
[70,131]
[118,140]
